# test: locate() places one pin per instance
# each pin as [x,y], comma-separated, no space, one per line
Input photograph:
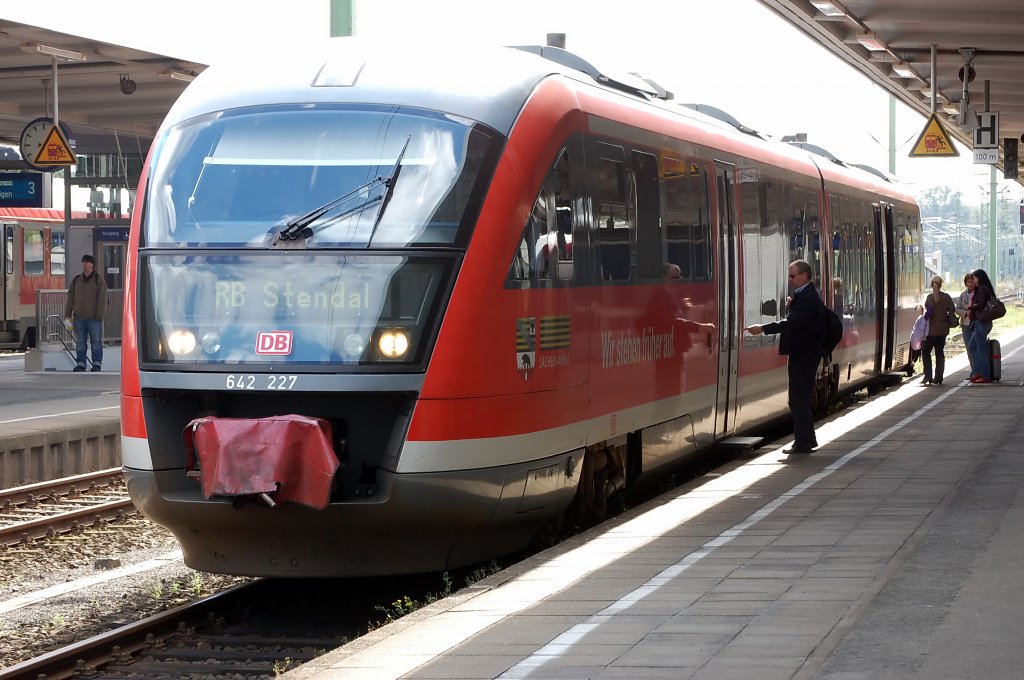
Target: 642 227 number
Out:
[260,382]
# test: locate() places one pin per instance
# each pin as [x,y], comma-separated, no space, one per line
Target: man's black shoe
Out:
[79,369]
[798,449]
[96,368]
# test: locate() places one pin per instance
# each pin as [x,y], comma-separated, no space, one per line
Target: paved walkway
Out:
[54,424]
[895,551]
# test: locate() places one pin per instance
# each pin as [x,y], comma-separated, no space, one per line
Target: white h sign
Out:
[987,134]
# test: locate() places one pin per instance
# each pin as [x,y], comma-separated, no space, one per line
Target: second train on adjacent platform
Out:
[505,283]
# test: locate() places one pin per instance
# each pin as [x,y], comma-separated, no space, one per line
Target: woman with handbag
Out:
[938,309]
[978,312]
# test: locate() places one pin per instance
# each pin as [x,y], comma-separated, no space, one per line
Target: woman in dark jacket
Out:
[939,312]
[978,346]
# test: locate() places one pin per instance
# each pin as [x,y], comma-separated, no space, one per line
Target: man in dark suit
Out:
[803,332]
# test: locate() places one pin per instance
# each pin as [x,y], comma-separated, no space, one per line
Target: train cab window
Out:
[341,176]
[33,250]
[545,253]
[57,253]
[687,219]
[615,190]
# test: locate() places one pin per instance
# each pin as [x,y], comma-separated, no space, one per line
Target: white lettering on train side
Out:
[629,349]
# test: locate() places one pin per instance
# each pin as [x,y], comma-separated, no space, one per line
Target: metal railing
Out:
[50,317]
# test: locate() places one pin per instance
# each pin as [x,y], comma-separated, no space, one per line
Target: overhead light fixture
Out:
[904,70]
[50,51]
[872,42]
[829,9]
[951,108]
[183,76]
[127,84]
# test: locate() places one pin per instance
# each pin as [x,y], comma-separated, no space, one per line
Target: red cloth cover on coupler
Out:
[289,458]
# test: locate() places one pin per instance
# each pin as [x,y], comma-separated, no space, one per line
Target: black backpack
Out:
[833,331]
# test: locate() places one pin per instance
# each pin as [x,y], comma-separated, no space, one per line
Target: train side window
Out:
[687,220]
[650,260]
[802,230]
[545,251]
[33,252]
[614,188]
[56,253]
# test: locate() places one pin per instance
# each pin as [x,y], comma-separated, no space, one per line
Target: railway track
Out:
[50,508]
[254,631]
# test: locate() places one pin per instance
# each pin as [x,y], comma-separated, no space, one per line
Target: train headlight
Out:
[211,342]
[181,342]
[354,344]
[393,343]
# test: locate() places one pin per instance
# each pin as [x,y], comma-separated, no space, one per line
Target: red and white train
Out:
[461,266]
[32,258]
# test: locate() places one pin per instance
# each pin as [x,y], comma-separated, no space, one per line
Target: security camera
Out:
[127,85]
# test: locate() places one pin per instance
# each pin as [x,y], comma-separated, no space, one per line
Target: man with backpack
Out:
[803,341]
[86,305]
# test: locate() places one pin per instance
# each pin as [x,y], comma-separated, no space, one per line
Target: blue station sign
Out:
[21,189]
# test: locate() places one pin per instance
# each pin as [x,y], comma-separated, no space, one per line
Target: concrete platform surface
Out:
[54,424]
[895,551]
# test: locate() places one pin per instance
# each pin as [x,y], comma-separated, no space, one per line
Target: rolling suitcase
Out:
[995,355]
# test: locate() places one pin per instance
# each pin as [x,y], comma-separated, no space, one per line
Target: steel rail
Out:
[62,522]
[22,494]
[67,661]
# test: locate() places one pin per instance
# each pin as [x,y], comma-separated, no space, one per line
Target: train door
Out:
[891,285]
[728,312]
[885,284]
[8,323]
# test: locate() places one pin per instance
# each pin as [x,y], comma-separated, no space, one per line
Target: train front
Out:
[291,267]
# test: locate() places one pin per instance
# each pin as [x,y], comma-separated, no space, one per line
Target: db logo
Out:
[274,342]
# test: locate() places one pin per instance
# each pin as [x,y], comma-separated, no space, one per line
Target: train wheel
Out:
[603,474]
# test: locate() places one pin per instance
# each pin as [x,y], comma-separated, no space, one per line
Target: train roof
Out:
[486,83]
[489,84]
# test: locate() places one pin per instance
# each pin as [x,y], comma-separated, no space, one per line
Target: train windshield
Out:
[292,307]
[365,177]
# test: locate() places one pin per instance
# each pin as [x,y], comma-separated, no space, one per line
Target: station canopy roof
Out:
[890,41]
[91,101]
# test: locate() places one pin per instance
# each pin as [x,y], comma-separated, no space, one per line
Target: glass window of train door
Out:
[8,248]
[751,216]
[649,252]
[773,255]
[32,252]
[811,227]
[57,255]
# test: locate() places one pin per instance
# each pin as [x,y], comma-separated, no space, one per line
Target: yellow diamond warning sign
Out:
[934,141]
[55,150]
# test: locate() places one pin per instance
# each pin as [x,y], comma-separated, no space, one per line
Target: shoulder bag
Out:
[995,309]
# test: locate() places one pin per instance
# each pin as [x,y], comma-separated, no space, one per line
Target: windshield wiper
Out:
[295,227]
[389,190]
[300,226]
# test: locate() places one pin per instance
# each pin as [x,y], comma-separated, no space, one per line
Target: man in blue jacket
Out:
[803,332]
